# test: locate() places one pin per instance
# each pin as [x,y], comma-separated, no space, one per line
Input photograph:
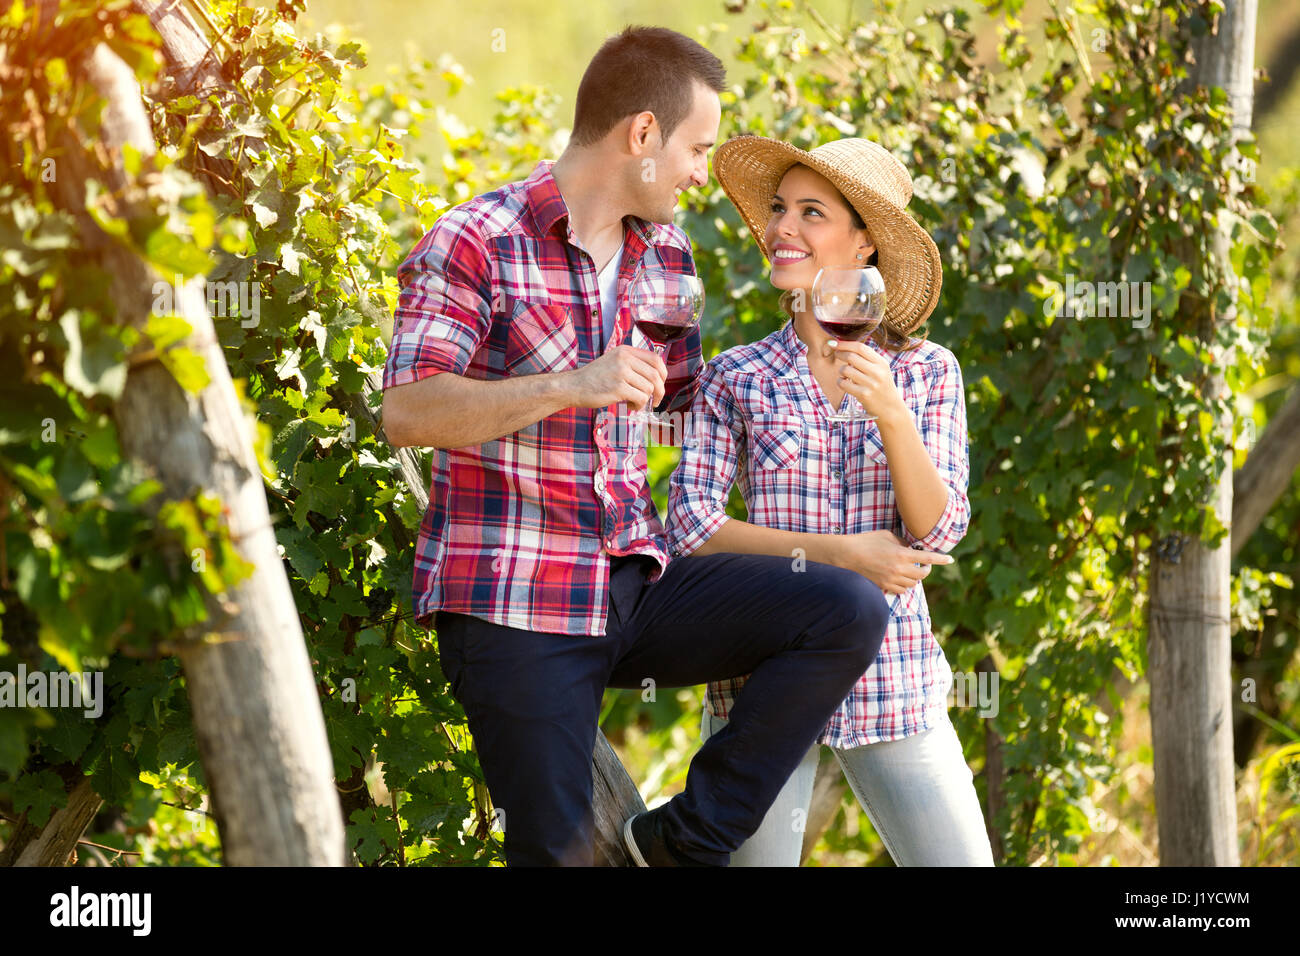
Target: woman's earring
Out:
[859,255]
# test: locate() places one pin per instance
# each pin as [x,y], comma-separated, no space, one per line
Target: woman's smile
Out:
[785,254]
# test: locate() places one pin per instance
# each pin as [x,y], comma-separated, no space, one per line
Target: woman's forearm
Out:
[741,537]
[919,493]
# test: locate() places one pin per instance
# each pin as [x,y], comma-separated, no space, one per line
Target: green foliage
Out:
[93,562]
[328,202]
[286,185]
[1092,439]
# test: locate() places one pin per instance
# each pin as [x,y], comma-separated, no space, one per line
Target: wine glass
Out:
[849,304]
[665,306]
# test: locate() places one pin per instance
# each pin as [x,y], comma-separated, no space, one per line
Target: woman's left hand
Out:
[864,373]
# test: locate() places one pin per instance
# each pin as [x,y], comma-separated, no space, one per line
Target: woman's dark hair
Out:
[642,68]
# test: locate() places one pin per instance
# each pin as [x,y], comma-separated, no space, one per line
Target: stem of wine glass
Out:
[642,414]
[659,350]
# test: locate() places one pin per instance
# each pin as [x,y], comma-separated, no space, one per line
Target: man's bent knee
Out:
[864,609]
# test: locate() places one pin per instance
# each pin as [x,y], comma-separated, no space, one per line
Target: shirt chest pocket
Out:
[776,441]
[541,338]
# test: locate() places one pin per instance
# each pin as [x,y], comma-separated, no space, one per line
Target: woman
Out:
[854,494]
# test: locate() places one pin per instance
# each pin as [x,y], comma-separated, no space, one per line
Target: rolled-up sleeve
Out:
[444,309]
[943,432]
[702,481]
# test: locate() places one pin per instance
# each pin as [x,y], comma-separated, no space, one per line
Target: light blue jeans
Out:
[918,792]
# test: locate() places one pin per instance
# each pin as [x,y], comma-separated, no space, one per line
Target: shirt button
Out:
[836,473]
[837,529]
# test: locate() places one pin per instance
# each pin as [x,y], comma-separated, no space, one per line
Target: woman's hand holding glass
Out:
[865,374]
[849,304]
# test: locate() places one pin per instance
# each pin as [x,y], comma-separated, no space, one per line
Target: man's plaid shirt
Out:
[760,420]
[520,530]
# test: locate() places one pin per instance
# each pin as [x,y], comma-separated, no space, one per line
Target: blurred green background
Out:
[548,44]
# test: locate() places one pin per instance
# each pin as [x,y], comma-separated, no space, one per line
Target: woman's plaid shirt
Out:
[520,530]
[761,420]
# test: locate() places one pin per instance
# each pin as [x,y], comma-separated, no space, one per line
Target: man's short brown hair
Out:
[642,68]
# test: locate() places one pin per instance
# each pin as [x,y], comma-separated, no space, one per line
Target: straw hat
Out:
[873,181]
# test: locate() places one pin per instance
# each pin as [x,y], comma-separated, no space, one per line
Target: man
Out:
[542,554]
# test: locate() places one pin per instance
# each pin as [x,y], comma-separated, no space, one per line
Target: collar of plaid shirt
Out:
[792,360]
[521,530]
[549,210]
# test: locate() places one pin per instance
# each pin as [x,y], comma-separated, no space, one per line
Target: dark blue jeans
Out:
[533,699]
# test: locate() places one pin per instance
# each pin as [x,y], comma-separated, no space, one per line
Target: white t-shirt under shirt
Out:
[608,281]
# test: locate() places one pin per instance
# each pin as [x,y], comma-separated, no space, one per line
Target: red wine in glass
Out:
[665,306]
[849,304]
[660,330]
[852,330]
